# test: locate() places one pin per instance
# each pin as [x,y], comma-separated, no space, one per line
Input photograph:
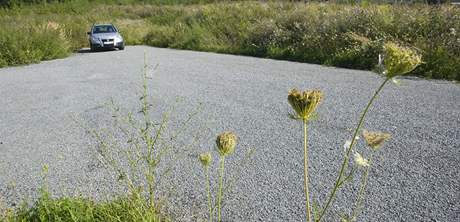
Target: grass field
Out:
[330,34]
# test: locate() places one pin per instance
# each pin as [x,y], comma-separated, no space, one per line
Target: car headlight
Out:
[118,39]
[95,39]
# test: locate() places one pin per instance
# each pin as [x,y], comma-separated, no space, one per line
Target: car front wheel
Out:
[91,47]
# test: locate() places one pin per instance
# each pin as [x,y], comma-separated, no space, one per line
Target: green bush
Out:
[337,35]
[33,45]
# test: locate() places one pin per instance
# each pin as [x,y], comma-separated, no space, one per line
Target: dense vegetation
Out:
[47,208]
[331,34]
[19,3]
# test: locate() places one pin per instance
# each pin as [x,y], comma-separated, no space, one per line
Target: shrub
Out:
[318,33]
[28,44]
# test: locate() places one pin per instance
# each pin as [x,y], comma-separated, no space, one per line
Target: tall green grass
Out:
[22,45]
[336,35]
[341,35]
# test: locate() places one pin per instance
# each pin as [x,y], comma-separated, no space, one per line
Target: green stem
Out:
[208,189]
[347,155]
[219,196]
[153,186]
[361,193]
[305,167]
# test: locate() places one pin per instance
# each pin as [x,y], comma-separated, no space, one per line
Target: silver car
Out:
[105,36]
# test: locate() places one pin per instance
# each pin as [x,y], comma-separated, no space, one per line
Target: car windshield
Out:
[103,29]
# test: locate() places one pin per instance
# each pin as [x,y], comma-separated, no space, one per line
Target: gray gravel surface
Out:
[415,178]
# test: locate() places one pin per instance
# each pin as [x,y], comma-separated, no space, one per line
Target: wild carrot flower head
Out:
[226,143]
[304,103]
[400,60]
[205,159]
[375,139]
[360,161]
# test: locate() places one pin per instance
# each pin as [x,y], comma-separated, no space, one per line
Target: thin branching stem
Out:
[361,192]
[230,183]
[347,155]
[219,194]
[305,155]
[147,137]
[208,190]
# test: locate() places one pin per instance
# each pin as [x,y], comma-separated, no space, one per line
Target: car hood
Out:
[106,35]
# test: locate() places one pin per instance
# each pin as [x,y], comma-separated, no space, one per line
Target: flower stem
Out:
[219,195]
[347,155]
[305,167]
[152,190]
[208,188]
[361,193]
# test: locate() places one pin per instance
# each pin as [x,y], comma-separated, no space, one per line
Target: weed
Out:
[398,60]
[304,104]
[206,160]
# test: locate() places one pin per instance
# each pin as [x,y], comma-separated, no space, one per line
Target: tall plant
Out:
[144,142]
[226,143]
[396,61]
[206,160]
[304,104]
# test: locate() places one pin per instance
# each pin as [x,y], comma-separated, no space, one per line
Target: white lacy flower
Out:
[361,161]
[347,144]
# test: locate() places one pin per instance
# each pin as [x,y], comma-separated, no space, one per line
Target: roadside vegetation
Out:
[342,35]
[127,208]
[130,207]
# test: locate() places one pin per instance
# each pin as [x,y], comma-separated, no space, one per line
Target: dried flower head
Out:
[400,60]
[375,139]
[304,103]
[226,143]
[361,161]
[205,159]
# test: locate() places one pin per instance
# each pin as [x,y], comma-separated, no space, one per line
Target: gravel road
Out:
[415,178]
